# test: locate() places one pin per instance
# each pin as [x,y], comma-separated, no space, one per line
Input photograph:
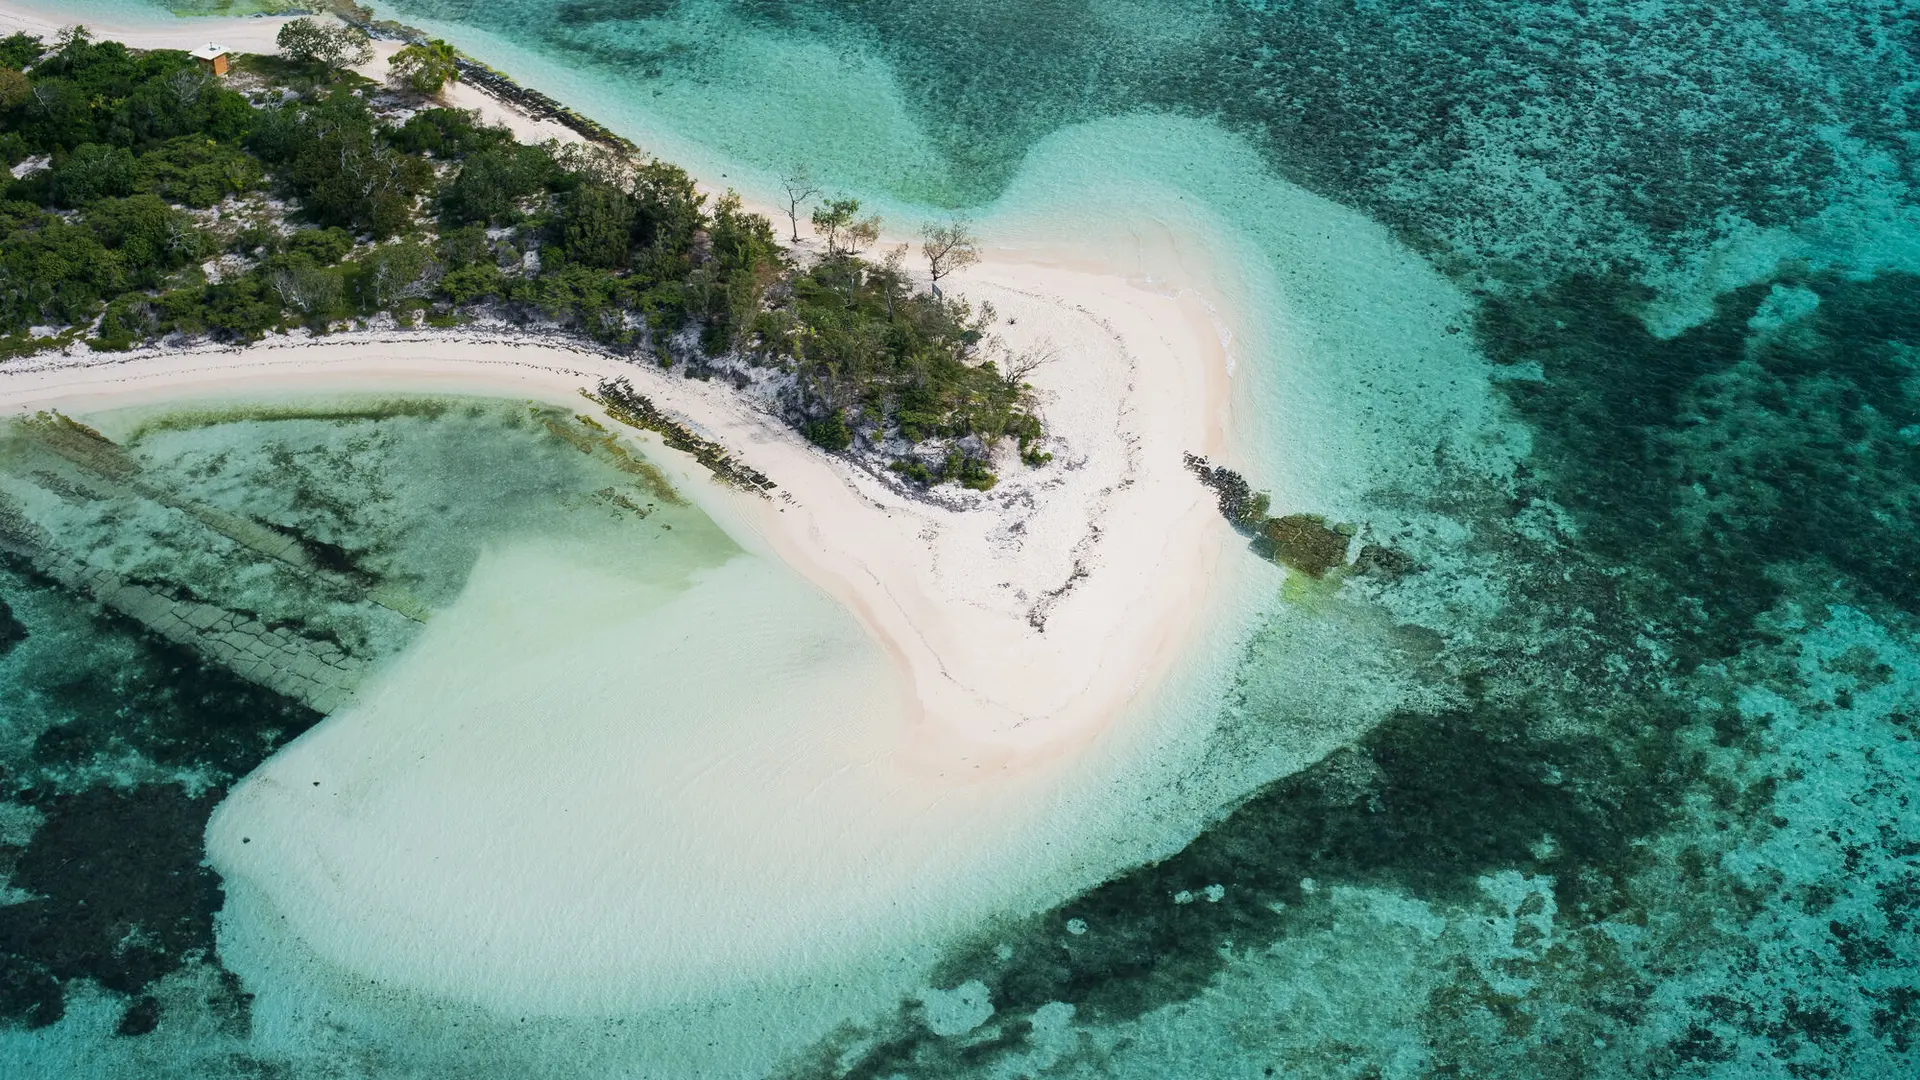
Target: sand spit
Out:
[1023,617]
[759,793]
[879,800]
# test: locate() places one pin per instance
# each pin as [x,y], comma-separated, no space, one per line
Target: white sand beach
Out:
[1022,620]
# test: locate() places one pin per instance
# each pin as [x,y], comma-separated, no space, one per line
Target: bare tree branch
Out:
[948,248]
[862,234]
[799,187]
[1022,364]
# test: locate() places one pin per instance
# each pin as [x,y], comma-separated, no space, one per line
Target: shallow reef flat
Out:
[188,593]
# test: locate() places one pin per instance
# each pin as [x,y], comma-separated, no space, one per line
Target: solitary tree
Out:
[595,163]
[424,67]
[862,234]
[73,40]
[312,290]
[800,187]
[395,272]
[948,248]
[309,41]
[187,84]
[833,217]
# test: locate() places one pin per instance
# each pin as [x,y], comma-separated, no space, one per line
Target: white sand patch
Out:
[1363,378]
[629,787]
[957,1011]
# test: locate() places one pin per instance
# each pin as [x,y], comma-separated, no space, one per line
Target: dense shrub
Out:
[194,170]
[830,432]
[623,250]
[92,172]
[491,183]
[324,246]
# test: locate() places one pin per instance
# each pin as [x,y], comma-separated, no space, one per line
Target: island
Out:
[969,449]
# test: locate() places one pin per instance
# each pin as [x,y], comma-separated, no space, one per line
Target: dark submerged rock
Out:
[141,1017]
[12,630]
[1307,543]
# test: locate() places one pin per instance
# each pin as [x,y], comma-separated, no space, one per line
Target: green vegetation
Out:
[307,41]
[425,67]
[879,360]
[160,202]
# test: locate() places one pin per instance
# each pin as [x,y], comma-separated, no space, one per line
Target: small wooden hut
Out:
[212,57]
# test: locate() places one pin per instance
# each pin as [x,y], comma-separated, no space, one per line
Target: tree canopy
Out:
[425,67]
[309,41]
[423,214]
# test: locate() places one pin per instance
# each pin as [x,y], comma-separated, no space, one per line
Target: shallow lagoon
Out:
[1650,816]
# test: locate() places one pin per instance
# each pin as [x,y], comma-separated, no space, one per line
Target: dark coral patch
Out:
[1703,458]
[141,1017]
[1307,543]
[122,897]
[177,709]
[117,893]
[12,630]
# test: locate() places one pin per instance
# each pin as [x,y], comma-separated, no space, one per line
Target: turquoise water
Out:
[1639,803]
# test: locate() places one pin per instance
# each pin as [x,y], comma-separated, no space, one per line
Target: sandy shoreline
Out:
[256,35]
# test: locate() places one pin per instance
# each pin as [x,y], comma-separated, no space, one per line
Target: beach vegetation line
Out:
[150,202]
